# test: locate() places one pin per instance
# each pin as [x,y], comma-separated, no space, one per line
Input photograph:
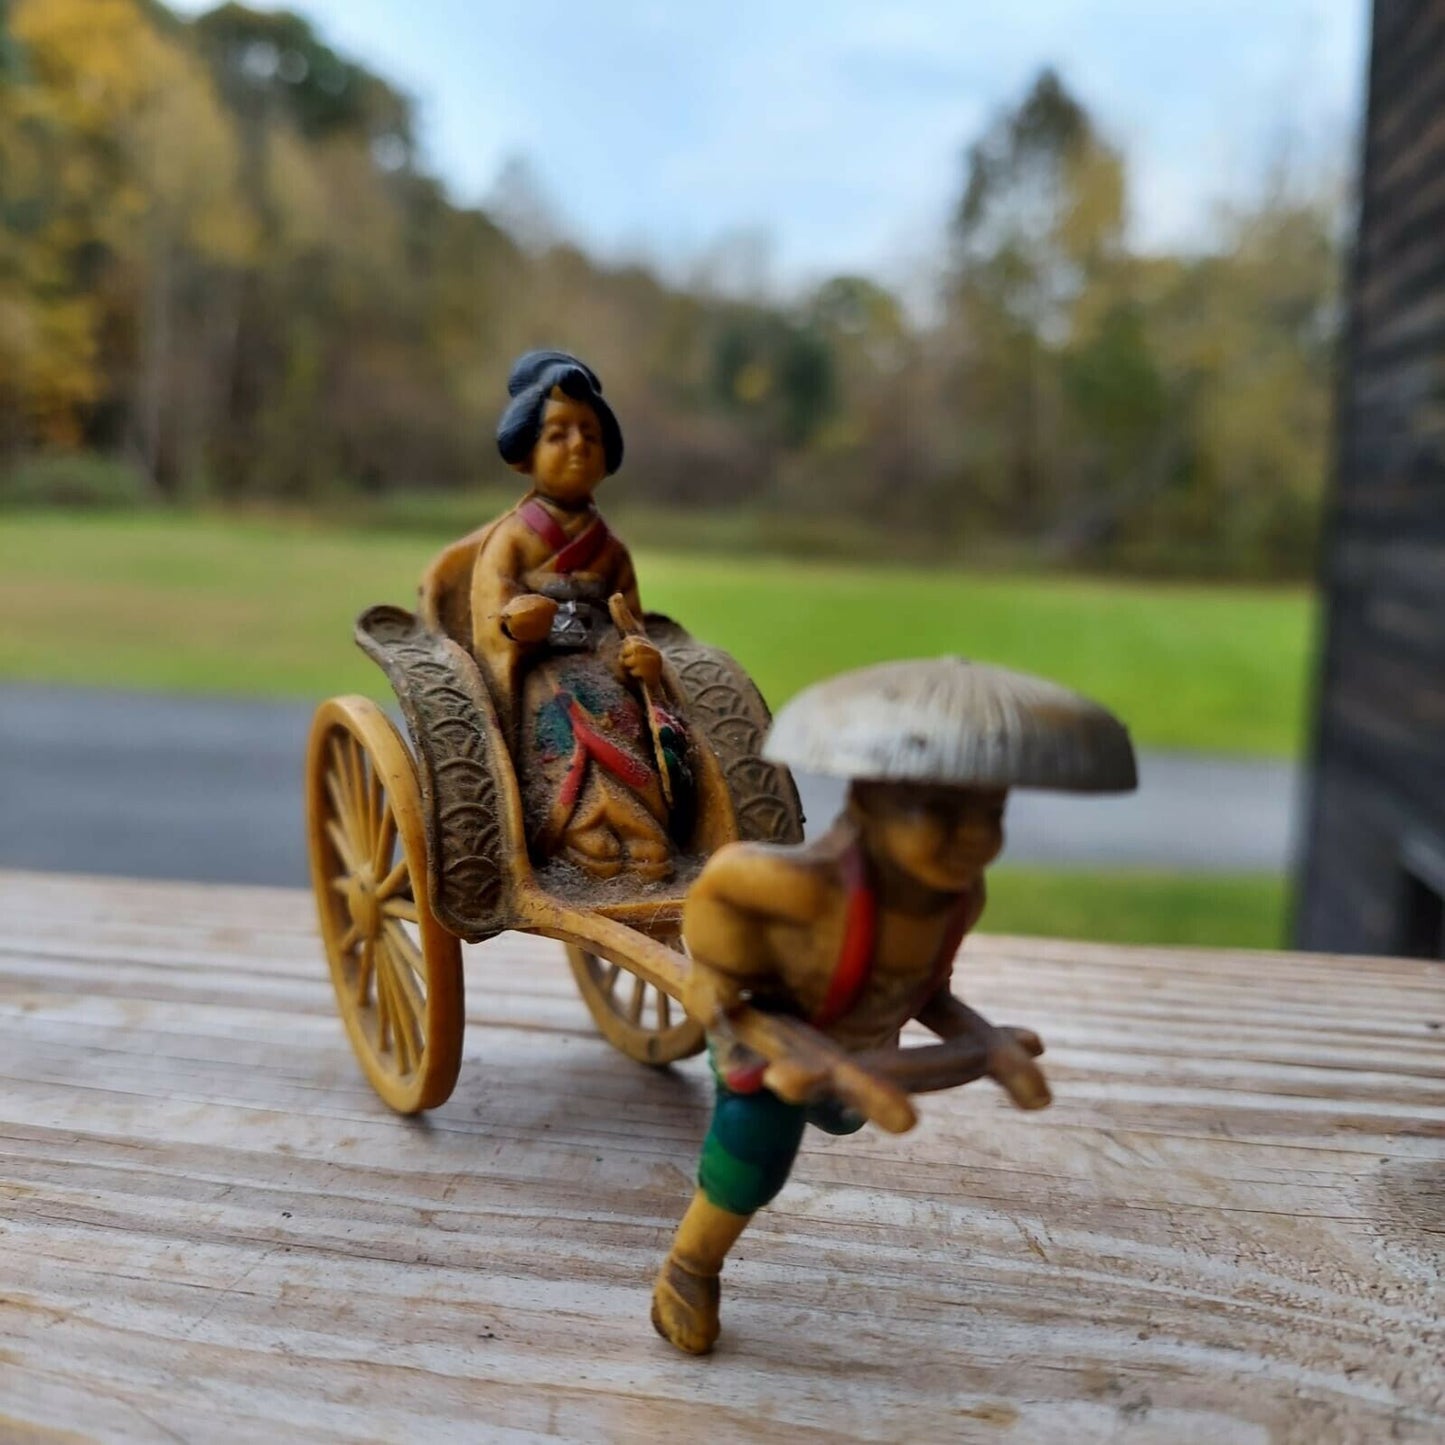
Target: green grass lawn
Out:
[226,605]
[1128,906]
[216,604]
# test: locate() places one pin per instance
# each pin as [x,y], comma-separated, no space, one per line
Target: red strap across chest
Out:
[860,937]
[570,554]
[860,934]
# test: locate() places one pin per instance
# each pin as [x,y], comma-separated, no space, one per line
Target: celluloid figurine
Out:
[600,752]
[855,932]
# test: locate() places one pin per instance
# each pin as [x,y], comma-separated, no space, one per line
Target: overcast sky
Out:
[836,127]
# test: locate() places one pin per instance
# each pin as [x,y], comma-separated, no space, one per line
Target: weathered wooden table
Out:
[1228,1227]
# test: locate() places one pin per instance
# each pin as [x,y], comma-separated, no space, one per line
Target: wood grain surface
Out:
[1228,1227]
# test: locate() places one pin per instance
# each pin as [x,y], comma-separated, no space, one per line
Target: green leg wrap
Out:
[749,1150]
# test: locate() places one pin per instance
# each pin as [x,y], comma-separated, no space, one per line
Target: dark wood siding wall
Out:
[1374,860]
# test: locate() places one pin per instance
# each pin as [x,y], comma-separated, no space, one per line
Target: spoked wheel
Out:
[397,971]
[633,1016]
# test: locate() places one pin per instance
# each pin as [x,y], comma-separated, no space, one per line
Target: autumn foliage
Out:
[222,262]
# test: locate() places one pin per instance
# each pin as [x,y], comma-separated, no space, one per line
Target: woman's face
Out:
[568,460]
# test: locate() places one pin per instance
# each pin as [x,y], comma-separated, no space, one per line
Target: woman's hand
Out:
[528,618]
[640,659]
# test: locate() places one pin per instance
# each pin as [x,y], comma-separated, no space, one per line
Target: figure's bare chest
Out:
[905,955]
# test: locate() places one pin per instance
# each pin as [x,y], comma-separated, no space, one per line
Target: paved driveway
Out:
[209,789]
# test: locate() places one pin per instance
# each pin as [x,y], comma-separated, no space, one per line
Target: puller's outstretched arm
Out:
[1010,1052]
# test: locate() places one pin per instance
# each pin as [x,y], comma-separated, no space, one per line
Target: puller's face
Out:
[569,459]
[942,837]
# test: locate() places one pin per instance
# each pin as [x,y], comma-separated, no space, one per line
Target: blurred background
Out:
[931,328]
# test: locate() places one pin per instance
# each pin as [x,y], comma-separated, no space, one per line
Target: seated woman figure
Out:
[578,697]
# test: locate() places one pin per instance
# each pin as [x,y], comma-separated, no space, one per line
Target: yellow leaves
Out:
[363,222]
[325,195]
[99,58]
[1091,219]
[186,150]
[298,202]
[115,148]
[17,335]
[139,132]
[47,362]
[753,382]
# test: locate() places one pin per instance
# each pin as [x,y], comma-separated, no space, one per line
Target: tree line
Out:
[222,263]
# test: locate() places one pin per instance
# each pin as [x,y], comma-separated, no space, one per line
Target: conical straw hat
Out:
[949,721]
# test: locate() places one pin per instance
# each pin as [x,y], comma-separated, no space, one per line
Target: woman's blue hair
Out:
[533,379]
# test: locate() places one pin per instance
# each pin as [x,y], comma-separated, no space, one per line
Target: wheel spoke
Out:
[356,776]
[406,972]
[409,957]
[403,1039]
[405,947]
[385,837]
[347,798]
[338,778]
[364,971]
[383,1009]
[347,803]
[342,844]
[409,1011]
[377,812]
[336,787]
[400,908]
[363,791]
[393,880]
[350,938]
[652,1030]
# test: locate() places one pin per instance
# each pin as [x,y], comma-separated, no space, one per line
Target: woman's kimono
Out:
[578,725]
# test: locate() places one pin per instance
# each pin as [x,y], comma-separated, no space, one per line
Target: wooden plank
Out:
[1227,1228]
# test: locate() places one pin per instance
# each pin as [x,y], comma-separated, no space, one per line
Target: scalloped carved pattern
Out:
[465,837]
[728,710]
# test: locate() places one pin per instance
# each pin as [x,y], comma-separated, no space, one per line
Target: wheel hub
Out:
[364,906]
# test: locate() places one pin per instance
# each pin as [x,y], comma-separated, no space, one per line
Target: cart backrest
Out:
[446,588]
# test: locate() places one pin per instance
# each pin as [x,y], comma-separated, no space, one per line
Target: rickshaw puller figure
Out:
[856,931]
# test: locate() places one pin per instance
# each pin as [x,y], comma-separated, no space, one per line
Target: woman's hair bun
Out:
[527,369]
[534,377]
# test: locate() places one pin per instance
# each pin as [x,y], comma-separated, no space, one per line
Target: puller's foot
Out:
[685,1307]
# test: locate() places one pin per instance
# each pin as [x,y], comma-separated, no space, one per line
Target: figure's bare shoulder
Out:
[770,882]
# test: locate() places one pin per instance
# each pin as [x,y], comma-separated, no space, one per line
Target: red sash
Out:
[570,554]
[860,934]
[589,743]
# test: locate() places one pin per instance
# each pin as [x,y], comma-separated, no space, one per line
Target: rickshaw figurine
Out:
[575,762]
